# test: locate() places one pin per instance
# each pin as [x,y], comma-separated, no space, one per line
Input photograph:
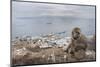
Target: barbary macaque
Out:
[78,46]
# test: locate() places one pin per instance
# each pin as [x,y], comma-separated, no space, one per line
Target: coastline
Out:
[44,49]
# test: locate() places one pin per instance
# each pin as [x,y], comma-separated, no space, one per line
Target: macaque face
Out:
[76,33]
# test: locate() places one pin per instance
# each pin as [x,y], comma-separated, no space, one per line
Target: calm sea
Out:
[35,25]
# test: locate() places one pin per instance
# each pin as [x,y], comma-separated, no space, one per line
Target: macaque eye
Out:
[77,32]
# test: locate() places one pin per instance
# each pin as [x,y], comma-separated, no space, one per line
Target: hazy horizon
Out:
[41,18]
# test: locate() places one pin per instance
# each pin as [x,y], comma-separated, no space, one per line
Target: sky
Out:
[44,9]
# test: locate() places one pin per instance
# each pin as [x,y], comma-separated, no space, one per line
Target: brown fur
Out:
[78,44]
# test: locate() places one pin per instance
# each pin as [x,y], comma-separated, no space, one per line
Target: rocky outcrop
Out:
[46,49]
